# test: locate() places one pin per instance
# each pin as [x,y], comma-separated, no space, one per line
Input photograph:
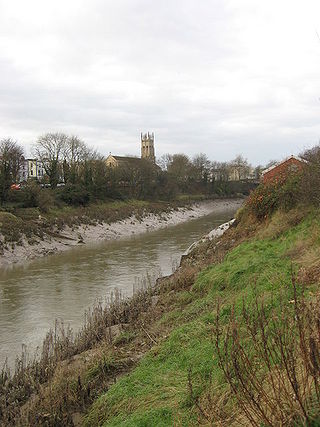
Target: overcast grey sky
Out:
[218,76]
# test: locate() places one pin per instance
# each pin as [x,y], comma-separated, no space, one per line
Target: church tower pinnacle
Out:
[147,147]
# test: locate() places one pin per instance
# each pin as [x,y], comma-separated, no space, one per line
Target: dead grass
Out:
[70,372]
[75,384]
[309,275]
[62,345]
[280,222]
[270,364]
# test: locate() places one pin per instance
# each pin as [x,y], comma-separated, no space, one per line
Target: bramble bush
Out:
[290,189]
[279,194]
[75,194]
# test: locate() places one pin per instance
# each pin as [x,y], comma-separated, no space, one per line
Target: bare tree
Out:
[165,161]
[180,168]
[258,171]
[271,163]
[310,180]
[76,150]
[75,153]
[201,167]
[11,157]
[51,150]
[241,167]
[220,171]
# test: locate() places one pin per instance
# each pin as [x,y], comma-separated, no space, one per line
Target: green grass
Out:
[156,392]
[146,419]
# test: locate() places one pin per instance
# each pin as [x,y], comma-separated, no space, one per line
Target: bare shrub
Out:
[60,344]
[270,360]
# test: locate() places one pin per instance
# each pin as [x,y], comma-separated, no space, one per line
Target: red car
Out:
[15,187]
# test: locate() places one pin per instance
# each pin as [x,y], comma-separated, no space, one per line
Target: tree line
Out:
[86,177]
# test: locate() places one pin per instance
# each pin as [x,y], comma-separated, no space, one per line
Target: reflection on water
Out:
[63,286]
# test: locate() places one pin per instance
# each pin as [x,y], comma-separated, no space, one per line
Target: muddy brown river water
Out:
[63,286]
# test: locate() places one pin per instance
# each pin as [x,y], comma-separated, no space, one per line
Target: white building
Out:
[31,168]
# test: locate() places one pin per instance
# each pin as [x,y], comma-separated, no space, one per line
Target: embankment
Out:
[55,239]
[231,338]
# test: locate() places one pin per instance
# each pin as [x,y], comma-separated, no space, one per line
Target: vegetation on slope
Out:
[180,381]
[232,338]
[164,368]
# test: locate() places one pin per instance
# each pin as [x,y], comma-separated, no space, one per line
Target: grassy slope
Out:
[156,392]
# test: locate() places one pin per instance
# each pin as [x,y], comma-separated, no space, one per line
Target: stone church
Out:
[147,153]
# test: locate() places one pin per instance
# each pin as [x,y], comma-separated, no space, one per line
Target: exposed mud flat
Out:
[60,241]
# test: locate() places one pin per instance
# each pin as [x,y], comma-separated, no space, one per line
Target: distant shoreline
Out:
[68,238]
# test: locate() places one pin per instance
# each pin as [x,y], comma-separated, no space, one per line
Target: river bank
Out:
[196,348]
[59,240]
[158,358]
[82,348]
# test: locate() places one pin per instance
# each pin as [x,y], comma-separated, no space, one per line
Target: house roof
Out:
[134,161]
[126,158]
[300,159]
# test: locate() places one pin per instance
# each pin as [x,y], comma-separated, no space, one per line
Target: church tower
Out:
[147,147]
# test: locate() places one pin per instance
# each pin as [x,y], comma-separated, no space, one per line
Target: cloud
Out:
[230,77]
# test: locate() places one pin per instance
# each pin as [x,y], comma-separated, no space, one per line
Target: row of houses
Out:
[34,168]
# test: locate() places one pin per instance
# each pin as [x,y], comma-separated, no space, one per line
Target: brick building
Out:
[282,169]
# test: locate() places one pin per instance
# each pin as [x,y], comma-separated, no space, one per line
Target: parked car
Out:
[15,187]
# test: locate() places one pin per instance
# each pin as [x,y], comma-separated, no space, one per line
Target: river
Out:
[63,286]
